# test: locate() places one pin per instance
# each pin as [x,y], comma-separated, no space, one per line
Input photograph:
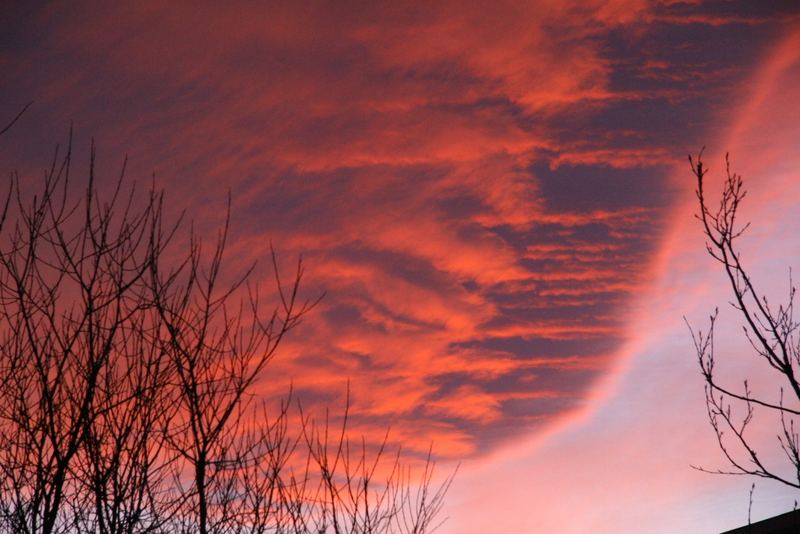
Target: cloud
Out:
[624,460]
[480,189]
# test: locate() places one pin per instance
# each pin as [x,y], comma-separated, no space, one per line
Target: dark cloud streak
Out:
[479,189]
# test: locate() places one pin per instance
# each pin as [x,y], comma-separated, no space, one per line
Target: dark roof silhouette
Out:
[788,523]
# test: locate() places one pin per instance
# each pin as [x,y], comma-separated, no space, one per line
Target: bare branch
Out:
[771,334]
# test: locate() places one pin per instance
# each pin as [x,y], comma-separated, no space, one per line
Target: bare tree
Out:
[217,352]
[771,334]
[76,358]
[127,400]
[323,481]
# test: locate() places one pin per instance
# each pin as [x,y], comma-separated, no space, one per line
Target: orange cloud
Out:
[479,188]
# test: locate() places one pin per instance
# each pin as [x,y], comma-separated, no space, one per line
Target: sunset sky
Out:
[494,198]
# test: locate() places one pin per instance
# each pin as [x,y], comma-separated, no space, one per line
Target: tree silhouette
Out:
[127,379]
[771,333]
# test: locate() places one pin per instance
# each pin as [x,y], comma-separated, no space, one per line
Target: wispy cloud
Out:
[480,189]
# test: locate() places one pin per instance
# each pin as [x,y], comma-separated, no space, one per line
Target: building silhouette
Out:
[788,523]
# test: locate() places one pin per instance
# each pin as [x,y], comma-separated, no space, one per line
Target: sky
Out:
[494,198]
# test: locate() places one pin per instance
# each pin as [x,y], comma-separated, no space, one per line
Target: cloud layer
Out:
[479,189]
